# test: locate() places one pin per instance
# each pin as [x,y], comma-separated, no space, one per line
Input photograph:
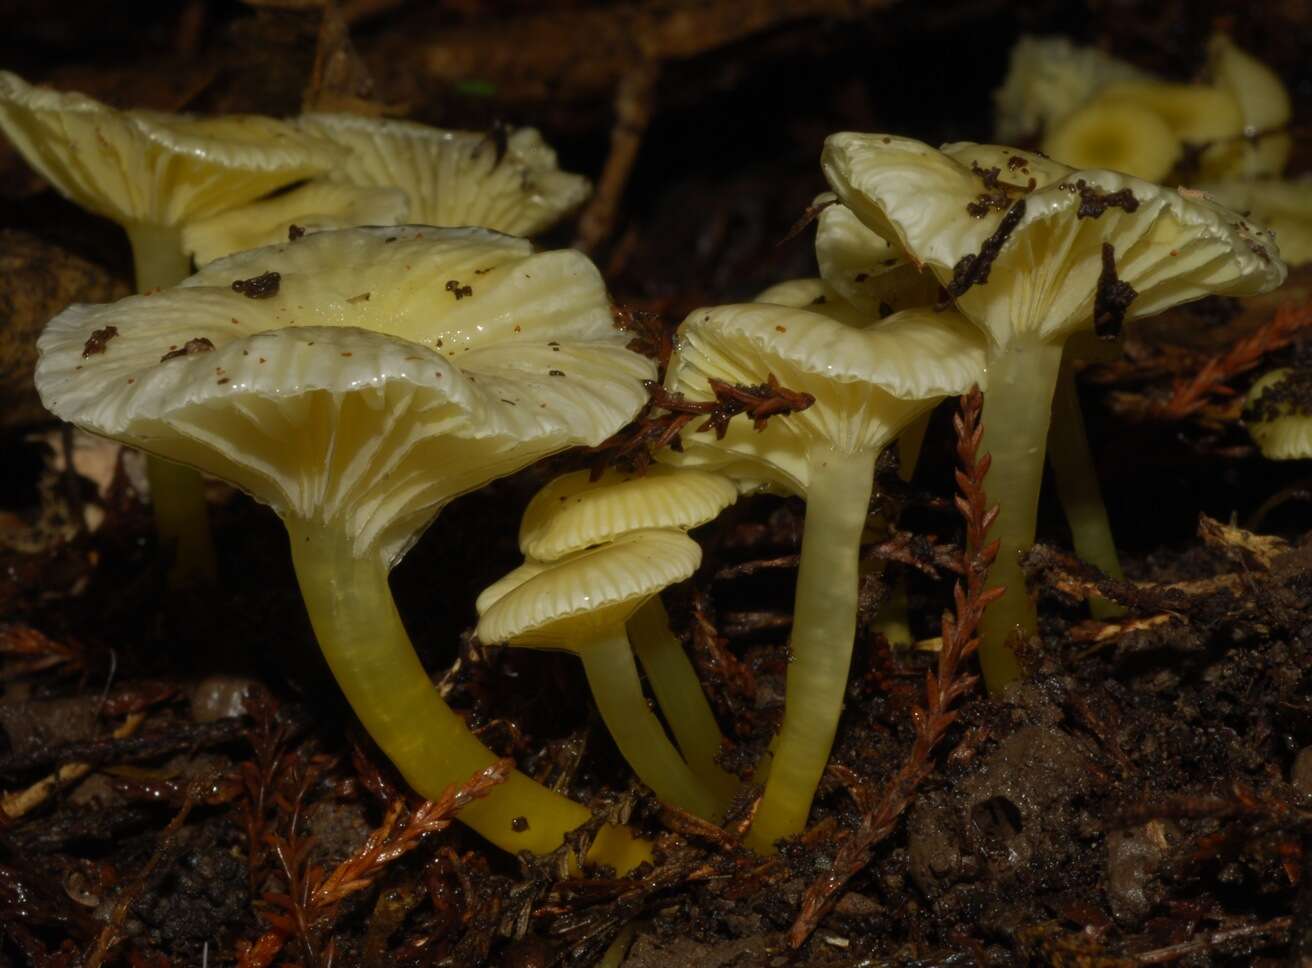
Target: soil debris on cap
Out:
[1112,299]
[973,269]
[193,346]
[259,287]
[1094,201]
[1290,397]
[454,287]
[98,340]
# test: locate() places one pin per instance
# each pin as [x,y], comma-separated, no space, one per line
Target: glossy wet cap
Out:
[362,377]
[1032,263]
[871,273]
[508,181]
[573,512]
[317,205]
[868,383]
[562,604]
[144,166]
[1284,206]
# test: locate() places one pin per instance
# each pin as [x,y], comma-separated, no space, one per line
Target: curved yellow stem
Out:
[1077,487]
[366,645]
[679,694]
[617,691]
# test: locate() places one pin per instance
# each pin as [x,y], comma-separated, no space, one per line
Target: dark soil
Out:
[1143,797]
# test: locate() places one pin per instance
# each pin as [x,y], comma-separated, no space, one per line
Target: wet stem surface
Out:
[182,783]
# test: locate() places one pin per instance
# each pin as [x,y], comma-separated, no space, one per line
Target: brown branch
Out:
[942,688]
[1188,396]
[310,906]
[1215,939]
[653,431]
[111,934]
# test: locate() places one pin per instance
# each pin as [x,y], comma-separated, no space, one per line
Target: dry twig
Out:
[649,433]
[1189,396]
[943,687]
[309,909]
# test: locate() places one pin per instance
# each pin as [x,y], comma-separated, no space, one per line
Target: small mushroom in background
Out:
[1117,134]
[1232,126]
[581,603]
[507,181]
[1069,251]
[1047,79]
[153,173]
[359,395]
[1197,114]
[574,513]
[1278,414]
[1263,148]
[869,384]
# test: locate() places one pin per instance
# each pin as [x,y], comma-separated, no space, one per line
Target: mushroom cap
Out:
[456,177]
[1264,105]
[1278,413]
[572,512]
[868,271]
[1196,113]
[364,391]
[1119,135]
[816,296]
[1171,245]
[317,205]
[565,603]
[143,166]
[868,383]
[1048,78]
[1284,206]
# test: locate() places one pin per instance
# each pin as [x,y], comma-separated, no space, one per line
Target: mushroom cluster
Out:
[1033,252]
[1228,135]
[598,555]
[184,186]
[870,378]
[598,552]
[356,381]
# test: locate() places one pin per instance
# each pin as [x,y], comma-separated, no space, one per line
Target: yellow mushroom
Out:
[356,381]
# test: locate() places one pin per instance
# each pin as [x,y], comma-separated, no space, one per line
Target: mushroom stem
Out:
[366,645]
[893,621]
[1077,487]
[1018,403]
[824,629]
[679,693]
[613,679]
[181,520]
[177,491]
[157,256]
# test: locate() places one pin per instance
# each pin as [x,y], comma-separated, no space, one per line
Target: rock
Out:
[41,724]
[1133,858]
[37,280]
[1013,814]
[220,697]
